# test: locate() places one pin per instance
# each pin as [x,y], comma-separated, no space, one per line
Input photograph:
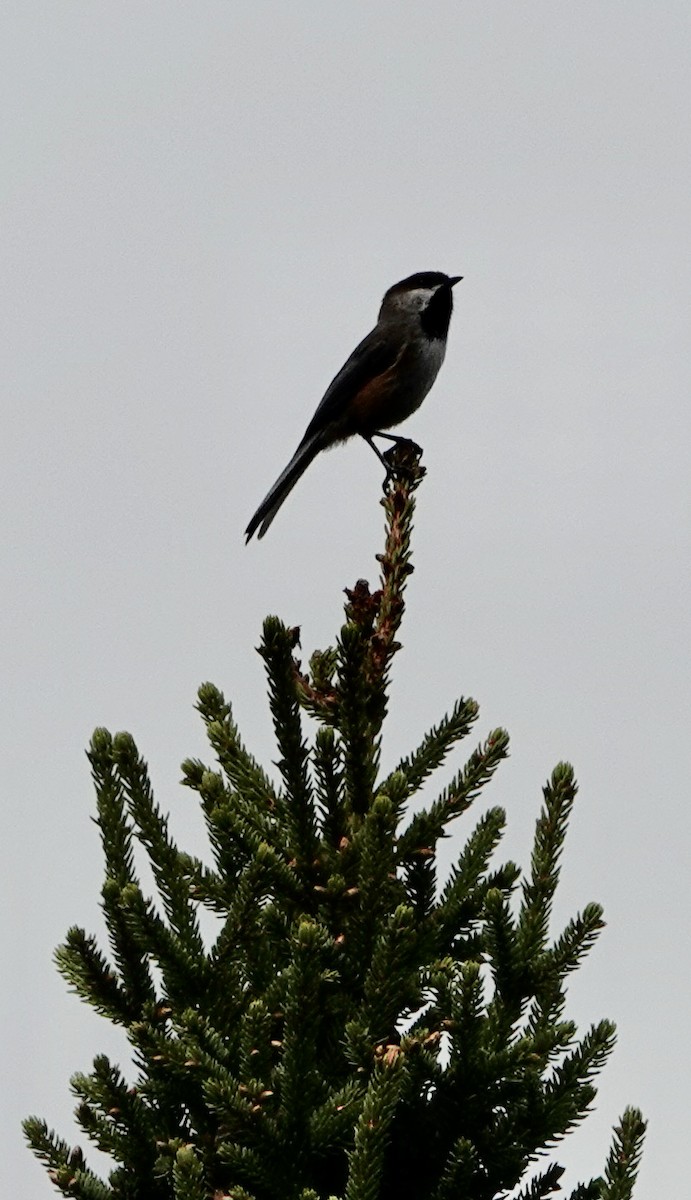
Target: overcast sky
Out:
[203,205]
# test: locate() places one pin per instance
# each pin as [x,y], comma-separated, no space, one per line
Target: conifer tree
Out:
[361,1028]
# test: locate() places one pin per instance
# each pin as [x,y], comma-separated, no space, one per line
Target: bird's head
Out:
[426,295]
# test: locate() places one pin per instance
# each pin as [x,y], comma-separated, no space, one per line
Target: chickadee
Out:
[385,379]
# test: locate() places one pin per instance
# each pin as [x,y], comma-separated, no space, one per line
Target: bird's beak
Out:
[454,279]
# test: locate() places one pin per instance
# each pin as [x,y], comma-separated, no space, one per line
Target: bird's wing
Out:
[376,354]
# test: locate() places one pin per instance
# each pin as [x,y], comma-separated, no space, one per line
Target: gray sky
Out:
[203,206]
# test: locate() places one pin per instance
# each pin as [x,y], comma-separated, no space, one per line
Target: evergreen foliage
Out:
[360,1028]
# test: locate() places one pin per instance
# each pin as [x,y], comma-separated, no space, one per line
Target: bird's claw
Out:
[402,458]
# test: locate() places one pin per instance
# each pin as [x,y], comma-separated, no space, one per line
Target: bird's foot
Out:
[402,461]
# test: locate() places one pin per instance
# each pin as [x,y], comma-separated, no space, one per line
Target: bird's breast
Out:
[394,395]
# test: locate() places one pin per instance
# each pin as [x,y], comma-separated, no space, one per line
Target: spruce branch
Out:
[152,830]
[299,1076]
[460,1172]
[206,886]
[434,748]
[91,976]
[577,939]
[247,1169]
[116,831]
[428,826]
[188,1175]
[463,898]
[115,1117]
[317,689]
[399,506]
[45,1143]
[332,1122]
[276,649]
[358,729]
[570,1091]
[501,949]
[372,1131]
[544,1184]
[242,770]
[624,1157]
[464,1003]
[379,889]
[236,829]
[328,769]
[182,969]
[65,1165]
[587,1191]
[392,983]
[540,886]
[133,966]
[362,1023]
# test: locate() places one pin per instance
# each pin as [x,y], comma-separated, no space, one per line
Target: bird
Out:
[383,382]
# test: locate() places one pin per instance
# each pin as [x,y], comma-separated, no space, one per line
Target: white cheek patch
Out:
[418,299]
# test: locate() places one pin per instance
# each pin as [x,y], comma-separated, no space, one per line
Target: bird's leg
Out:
[400,460]
[390,437]
[405,445]
[380,456]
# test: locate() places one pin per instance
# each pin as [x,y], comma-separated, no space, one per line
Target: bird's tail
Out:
[285,483]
